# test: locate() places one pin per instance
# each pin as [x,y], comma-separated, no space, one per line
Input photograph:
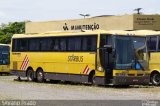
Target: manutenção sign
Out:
[93,26]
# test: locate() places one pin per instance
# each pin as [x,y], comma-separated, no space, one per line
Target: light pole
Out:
[138,10]
[85,15]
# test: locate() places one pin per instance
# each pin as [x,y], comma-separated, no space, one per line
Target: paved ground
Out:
[13,90]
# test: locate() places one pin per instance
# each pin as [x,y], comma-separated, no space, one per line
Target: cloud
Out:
[2,14]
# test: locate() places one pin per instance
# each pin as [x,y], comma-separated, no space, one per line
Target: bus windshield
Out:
[125,57]
[130,53]
[141,51]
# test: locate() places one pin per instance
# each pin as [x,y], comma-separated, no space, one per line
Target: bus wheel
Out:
[155,79]
[93,79]
[30,75]
[40,75]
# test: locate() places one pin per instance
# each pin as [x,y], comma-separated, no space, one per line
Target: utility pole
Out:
[85,15]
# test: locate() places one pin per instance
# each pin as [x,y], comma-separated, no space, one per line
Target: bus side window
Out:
[152,42]
[84,44]
[77,45]
[46,44]
[20,45]
[15,45]
[89,43]
[1,57]
[34,44]
[158,43]
[56,45]
[70,44]
[74,43]
[23,44]
[93,43]
[105,40]
[63,44]
[50,44]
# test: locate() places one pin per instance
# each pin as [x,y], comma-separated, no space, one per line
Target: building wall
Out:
[151,22]
[124,22]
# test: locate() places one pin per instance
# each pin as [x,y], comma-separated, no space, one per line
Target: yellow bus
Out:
[153,43]
[96,57]
[4,58]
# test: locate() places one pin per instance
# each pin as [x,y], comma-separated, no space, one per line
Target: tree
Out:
[7,31]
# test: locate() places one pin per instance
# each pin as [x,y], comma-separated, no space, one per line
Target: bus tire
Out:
[30,75]
[92,78]
[40,75]
[155,78]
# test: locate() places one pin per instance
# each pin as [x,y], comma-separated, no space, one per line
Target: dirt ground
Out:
[23,90]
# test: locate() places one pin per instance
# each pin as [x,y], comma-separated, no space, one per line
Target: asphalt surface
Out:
[24,90]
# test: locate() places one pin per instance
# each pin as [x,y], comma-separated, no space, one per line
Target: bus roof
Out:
[84,32]
[147,32]
[55,33]
[135,32]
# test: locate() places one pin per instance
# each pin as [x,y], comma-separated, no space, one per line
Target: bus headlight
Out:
[100,69]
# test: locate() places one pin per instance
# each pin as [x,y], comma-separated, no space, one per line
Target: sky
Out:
[48,10]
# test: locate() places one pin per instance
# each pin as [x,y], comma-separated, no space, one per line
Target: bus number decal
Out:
[75,58]
[24,63]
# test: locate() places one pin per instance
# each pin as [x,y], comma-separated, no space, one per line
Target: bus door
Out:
[108,63]
[106,57]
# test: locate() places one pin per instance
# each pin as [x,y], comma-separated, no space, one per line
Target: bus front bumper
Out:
[134,80]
